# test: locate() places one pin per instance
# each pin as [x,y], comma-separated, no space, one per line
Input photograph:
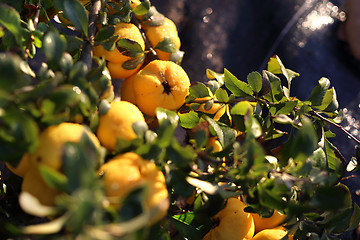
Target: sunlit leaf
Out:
[276,93]
[166,45]
[255,81]
[189,120]
[237,87]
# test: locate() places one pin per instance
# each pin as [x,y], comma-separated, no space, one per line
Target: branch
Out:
[313,113]
[87,52]
[152,55]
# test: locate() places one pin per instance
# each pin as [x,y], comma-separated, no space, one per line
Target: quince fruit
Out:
[118,59]
[159,84]
[271,222]
[49,153]
[270,234]
[127,171]
[156,34]
[51,143]
[23,166]
[117,123]
[233,223]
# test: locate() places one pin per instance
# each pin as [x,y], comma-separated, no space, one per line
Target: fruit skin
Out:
[270,234]
[23,166]
[115,58]
[234,223]
[49,153]
[216,108]
[127,91]
[160,84]
[271,222]
[34,184]
[117,123]
[215,144]
[51,143]
[156,34]
[127,171]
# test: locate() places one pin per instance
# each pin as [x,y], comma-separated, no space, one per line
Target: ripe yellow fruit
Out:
[216,108]
[156,34]
[159,84]
[215,144]
[234,223]
[34,184]
[270,234]
[271,222]
[127,171]
[127,91]
[117,123]
[216,147]
[117,58]
[23,166]
[51,142]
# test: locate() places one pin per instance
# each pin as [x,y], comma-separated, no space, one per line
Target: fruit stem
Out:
[87,52]
[166,85]
[152,55]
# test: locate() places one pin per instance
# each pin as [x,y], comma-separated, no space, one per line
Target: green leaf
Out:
[318,93]
[225,134]
[167,115]
[77,14]
[334,161]
[143,8]
[221,95]
[189,120]
[133,63]
[54,46]
[355,218]
[104,34]
[53,178]
[10,74]
[271,194]
[285,108]
[255,81]
[10,19]
[166,45]
[198,90]
[237,87]
[153,17]
[331,198]
[301,144]
[276,92]
[253,126]
[177,57]
[275,66]
[129,47]
[241,108]
[214,75]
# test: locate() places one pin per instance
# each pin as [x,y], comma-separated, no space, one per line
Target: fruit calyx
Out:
[166,85]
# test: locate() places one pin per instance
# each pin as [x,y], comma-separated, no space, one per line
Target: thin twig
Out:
[87,52]
[313,113]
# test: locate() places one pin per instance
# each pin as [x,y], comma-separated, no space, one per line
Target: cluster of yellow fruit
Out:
[161,83]
[233,222]
[121,174]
